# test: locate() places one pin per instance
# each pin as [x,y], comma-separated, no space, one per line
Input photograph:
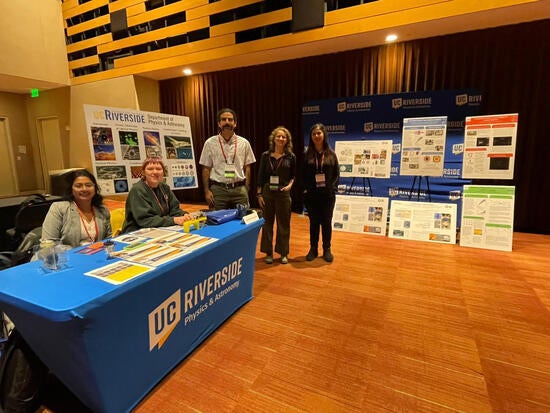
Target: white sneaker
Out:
[268,259]
[284,259]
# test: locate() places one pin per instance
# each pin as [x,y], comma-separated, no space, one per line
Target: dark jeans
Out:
[320,207]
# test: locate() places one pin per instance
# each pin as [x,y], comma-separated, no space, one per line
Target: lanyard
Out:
[279,162]
[223,152]
[82,217]
[317,162]
[162,212]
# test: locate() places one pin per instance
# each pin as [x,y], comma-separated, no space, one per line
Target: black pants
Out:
[320,207]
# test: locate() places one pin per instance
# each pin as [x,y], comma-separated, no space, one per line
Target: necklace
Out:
[89,225]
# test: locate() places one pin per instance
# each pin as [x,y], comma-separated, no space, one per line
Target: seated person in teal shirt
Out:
[151,203]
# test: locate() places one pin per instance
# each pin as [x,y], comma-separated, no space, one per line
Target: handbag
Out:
[221,216]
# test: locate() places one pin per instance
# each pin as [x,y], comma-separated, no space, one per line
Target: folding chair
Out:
[117,220]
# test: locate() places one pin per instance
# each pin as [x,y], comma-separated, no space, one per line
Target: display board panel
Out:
[423,221]
[488,217]
[423,151]
[363,214]
[121,139]
[490,146]
[364,159]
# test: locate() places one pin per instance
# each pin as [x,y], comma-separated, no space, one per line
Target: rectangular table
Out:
[111,344]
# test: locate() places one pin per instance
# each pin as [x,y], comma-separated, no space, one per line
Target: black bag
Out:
[22,376]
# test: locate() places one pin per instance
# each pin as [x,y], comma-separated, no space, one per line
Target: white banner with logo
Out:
[121,139]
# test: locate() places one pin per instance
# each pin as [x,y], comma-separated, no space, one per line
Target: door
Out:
[51,152]
[8,184]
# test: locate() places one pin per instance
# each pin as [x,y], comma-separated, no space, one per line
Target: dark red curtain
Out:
[508,65]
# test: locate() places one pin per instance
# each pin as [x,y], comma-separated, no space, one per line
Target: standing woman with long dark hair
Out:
[82,218]
[321,174]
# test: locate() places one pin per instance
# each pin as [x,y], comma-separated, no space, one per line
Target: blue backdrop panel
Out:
[95,336]
[380,117]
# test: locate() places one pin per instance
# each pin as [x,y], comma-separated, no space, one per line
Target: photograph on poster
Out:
[102,136]
[178,147]
[129,145]
[490,146]
[367,215]
[423,221]
[488,217]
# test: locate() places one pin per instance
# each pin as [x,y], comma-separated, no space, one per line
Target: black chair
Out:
[23,253]
[30,216]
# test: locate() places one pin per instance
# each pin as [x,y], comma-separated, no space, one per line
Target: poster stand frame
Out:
[365,185]
[412,190]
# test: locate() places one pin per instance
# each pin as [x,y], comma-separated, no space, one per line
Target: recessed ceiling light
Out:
[187,72]
[391,38]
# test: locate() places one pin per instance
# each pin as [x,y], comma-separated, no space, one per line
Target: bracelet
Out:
[259,195]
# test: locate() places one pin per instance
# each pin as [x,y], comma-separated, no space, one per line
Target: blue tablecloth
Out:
[111,344]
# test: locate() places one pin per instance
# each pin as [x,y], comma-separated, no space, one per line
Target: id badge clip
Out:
[229,171]
[320,180]
[274,182]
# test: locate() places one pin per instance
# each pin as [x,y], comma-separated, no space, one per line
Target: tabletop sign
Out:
[251,217]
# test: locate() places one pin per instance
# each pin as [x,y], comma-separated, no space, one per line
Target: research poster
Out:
[423,151]
[121,139]
[490,146]
[364,159]
[363,214]
[423,221]
[488,217]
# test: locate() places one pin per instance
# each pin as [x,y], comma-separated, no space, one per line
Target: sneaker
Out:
[284,259]
[327,255]
[311,255]
[268,259]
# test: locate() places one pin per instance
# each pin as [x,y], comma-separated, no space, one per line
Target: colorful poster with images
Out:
[363,214]
[121,139]
[423,144]
[364,159]
[490,146]
[423,221]
[488,217]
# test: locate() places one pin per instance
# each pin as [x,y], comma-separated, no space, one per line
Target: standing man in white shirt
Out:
[226,161]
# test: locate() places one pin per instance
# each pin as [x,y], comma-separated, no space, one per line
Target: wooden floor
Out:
[389,326]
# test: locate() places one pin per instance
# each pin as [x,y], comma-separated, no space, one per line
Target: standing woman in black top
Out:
[321,176]
[275,178]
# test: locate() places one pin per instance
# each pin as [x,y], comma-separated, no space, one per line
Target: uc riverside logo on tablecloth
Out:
[163,320]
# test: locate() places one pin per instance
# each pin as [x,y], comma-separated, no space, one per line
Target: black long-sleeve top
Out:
[313,164]
[284,167]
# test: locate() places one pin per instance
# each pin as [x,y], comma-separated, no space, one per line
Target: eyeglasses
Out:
[86,185]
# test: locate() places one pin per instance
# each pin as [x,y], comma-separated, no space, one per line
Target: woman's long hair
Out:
[288,147]
[97,199]
[310,153]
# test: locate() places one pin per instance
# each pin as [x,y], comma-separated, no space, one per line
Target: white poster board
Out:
[363,214]
[364,159]
[423,221]
[490,146]
[488,217]
[423,146]
[121,139]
